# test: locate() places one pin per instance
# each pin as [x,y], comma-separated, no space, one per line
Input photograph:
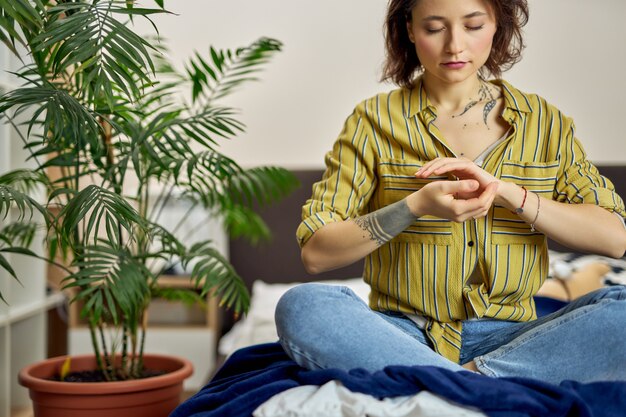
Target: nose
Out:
[454,42]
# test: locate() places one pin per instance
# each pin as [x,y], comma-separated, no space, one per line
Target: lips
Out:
[454,64]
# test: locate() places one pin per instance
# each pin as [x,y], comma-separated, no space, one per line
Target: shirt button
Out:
[470,243]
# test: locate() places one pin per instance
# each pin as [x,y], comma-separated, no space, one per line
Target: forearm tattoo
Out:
[386,223]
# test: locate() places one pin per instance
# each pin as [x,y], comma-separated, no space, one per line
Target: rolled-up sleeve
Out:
[579,181]
[349,179]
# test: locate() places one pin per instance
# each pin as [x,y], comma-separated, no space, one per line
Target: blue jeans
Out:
[324,326]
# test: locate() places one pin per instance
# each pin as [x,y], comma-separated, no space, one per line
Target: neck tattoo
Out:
[484,96]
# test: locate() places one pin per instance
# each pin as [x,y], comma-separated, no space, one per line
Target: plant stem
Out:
[142,340]
[96,350]
[109,366]
[124,365]
[134,359]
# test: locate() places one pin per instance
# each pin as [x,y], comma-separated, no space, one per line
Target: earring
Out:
[421,69]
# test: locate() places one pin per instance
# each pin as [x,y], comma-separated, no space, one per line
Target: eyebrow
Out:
[467,16]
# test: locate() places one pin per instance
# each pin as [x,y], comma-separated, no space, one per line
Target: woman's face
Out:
[452,38]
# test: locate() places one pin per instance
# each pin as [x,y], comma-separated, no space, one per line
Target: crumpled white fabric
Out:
[334,400]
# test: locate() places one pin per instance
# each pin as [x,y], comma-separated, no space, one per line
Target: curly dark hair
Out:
[401,60]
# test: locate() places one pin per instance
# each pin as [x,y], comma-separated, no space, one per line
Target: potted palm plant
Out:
[101,115]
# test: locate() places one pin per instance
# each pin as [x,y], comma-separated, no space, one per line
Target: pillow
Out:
[258,325]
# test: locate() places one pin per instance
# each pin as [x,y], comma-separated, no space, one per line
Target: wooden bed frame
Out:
[279,260]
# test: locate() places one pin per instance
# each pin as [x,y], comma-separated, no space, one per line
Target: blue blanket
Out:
[253,375]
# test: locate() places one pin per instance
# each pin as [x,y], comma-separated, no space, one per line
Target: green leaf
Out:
[188,297]
[225,73]
[90,204]
[19,233]
[217,277]
[241,221]
[91,41]
[10,197]
[66,118]
[111,281]
[7,266]
[262,184]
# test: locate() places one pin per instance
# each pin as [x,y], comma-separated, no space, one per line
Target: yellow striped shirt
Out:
[425,269]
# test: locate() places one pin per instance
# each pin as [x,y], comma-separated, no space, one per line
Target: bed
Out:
[257,378]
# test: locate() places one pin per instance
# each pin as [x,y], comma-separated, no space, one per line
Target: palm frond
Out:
[214,275]
[19,18]
[24,180]
[111,282]
[228,69]
[218,182]
[202,128]
[167,245]
[26,205]
[200,176]
[262,184]
[188,297]
[165,141]
[242,221]
[6,265]
[88,37]
[95,207]
[19,233]
[70,124]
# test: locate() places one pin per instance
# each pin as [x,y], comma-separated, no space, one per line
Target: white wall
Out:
[575,58]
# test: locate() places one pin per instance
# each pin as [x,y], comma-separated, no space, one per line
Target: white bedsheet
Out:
[259,325]
[334,400]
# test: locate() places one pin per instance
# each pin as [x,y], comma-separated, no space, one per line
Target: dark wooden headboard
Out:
[279,260]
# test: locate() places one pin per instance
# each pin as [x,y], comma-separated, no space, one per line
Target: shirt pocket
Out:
[536,177]
[397,181]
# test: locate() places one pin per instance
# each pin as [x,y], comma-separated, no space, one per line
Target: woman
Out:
[448,187]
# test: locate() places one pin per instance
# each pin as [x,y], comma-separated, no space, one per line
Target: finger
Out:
[467,196]
[464,209]
[477,214]
[488,195]
[427,167]
[460,187]
[459,167]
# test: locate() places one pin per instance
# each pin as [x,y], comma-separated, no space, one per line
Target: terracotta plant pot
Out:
[149,397]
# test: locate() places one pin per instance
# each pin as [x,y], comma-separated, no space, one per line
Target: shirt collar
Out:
[514,99]
[418,99]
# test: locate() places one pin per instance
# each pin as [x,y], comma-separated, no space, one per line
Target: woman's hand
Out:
[438,199]
[463,169]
